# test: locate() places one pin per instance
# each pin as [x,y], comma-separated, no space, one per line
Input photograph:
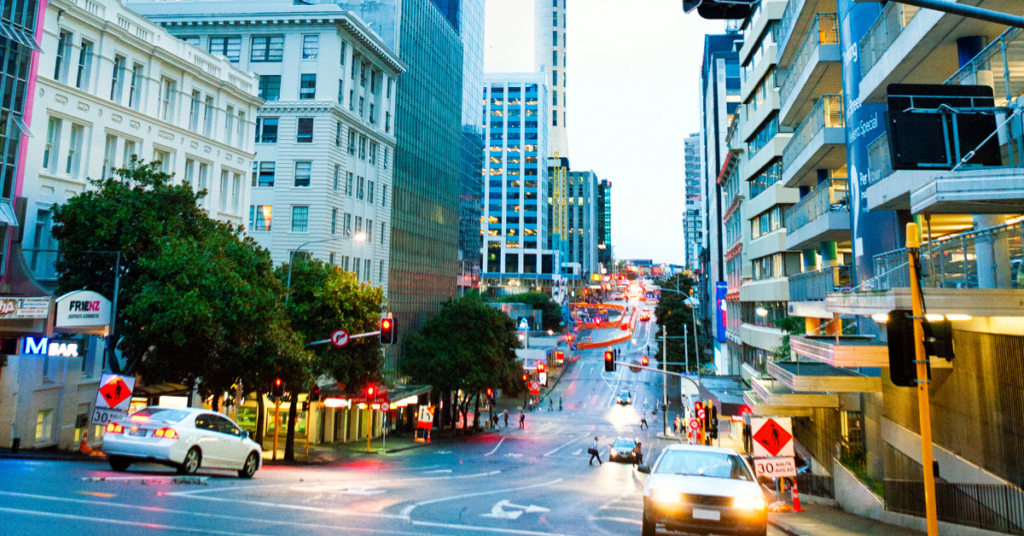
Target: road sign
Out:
[115,392]
[339,338]
[104,416]
[635,367]
[385,406]
[773,436]
[775,467]
[694,424]
[426,418]
[701,412]
[534,388]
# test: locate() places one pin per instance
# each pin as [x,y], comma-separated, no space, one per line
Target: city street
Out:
[532,481]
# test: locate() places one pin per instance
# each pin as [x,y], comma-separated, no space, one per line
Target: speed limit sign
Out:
[775,467]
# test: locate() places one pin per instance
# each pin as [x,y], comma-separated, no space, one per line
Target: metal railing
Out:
[41,263]
[816,285]
[879,162]
[986,506]
[883,32]
[829,196]
[819,486]
[788,23]
[998,58]
[823,31]
[827,113]
[952,261]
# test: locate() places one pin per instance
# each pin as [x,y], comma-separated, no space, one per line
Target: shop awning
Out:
[773,393]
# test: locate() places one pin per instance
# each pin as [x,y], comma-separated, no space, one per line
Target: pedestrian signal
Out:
[540,367]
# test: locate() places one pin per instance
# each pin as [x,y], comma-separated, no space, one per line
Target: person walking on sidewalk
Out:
[594,453]
[559,403]
[522,420]
[505,414]
[643,421]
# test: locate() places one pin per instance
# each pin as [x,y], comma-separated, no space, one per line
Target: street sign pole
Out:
[913,250]
[277,425]
[686,347]
[664,381]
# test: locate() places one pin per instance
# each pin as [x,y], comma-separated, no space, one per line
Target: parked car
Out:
[184,438]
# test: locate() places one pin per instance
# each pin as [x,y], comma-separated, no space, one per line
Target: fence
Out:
[827,113]
[823,31]
[984,506]
[816,285]
[819,486]
[828,196]
[886,28]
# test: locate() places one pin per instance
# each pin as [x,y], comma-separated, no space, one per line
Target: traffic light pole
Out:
[923,402]
[664,382]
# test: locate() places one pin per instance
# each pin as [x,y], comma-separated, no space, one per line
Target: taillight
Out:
[166,433]
[114,428]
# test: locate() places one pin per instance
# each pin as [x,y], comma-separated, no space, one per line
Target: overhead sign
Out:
[773,437]
[339,338]
[49,347]
[426,418]
[24,308]
[113,398]
[82,308]
[775,467]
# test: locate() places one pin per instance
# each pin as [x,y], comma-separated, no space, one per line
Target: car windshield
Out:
[623,444]
[162,414]
[709,464]
[623,395]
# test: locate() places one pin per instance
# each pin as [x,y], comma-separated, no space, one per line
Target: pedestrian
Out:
[522,420]
[643,421]
[676,424]
[655,412]
[505,414]
[594,453]
[559,403]
[551,404]
[638,454]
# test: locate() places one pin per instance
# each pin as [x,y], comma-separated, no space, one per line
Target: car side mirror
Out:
[245,435]
[645,469]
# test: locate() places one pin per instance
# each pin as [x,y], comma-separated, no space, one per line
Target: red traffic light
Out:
[645,361]
[608,356]
[387,330]
[526,377]
[371,394]
[540,367]
[490,392]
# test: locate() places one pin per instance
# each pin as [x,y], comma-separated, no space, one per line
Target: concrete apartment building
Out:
[693,225]
[549,49]
[841,236]
[111,85]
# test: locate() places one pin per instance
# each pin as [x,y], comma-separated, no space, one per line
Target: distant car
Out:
[625,398]
[185,438]
[698,489]
[645,315]
[622,450]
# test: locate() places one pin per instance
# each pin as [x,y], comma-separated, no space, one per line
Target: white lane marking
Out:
[628,509]
[617,520]
[326,486]
[122,523]
[107,504]
[407,511]
[498,510]
[436,471]
[570,442]
[577,453]
[496,447]
[475,528]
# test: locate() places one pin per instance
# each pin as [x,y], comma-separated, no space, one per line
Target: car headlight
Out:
[612,452]
[750,502]
[665,495]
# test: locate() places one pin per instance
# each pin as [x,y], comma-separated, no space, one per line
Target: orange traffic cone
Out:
[83,447]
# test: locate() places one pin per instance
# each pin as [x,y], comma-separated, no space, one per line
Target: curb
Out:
[782,529]
[51,457]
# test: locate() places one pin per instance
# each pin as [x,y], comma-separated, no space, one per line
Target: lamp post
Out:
[358,237]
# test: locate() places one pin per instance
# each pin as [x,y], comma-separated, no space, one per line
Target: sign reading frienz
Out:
[82,308]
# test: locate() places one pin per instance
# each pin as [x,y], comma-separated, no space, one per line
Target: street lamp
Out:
[358,237]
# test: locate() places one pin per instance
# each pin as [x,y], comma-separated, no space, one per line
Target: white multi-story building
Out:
[693,223]
[549,58]
[325,140]
[515,223]
[110,85]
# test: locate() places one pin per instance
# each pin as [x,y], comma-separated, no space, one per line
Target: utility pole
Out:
[664,381]
[923,402]
[686,348]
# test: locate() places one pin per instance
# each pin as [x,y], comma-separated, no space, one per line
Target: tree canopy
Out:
[673,313]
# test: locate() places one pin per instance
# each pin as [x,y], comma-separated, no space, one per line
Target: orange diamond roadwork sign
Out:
[773,436]
[115,392]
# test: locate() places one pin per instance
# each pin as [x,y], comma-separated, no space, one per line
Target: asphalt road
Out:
[525,482]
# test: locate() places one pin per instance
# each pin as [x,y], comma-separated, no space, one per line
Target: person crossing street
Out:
[522,420]
[505,414]
[594,453]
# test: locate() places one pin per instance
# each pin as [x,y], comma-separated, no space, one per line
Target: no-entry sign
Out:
[534,388]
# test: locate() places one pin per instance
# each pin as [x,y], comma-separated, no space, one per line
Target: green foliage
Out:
[325,298]
[790,325]
[468,345]
[673,313]
[551,312]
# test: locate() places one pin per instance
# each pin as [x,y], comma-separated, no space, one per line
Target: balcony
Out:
[818,143]
[850,351]
[816,285]
[816,70]
[908,45]
[774,393]
[795,19]
[760,406]
[821,216]
[805,377]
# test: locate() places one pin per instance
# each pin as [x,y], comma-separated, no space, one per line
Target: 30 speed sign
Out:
[775,467]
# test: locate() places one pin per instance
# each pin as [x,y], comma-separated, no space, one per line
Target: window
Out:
[373,82]
[265,177]
[129,150]
[260,217]
[117,81]
[342,61]
[362,74]
[348,229]
[373,114]
[769,221]
[369,231]
[84,65]
[44,425]
[362,147]
[385,158]
[554,19]
[230,47]
[267,48]
[52,145]
[190,171]
[337,134]
[554,97]
[240,128]
[351,142]
[554,58]
[74,159]
[191,39]
[204,177]
[305,130]
[337,176]
[360,193]
[223,193]
[362,102]
[167,87]
[300,219]
[236,192]
[352,100]
[384,195]
[270,87]
[193,111]
[554,39]
[554,78]
[382,233]
[348,184]
[380,271]
[133,90]
[266,130]
[307,87]
[109,155]
[387,121]
[303,173]
[208,112]
[310,46]
[369,192]
[334,220]
[355,267]
[63,50]
[359,224]
[229,124]
[390,83]
[366,269]
[341,91]
[373,153]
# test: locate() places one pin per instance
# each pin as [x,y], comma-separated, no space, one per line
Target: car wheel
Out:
[249,469]
[648,528]
[191,464]
[119,463]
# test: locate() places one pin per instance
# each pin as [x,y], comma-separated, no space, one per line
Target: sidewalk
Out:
[827,521]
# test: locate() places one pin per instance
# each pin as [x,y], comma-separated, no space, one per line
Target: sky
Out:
[633,94]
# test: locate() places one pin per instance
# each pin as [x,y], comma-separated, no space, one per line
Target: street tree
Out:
[551,312]
[677,316]
[468,346]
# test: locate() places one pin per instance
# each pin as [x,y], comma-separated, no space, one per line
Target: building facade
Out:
[582,223]
[604,225]
[549,49]
[693,224]
[516,223]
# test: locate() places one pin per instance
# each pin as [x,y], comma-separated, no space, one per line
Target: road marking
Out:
[577,453]
[476,528]
[122,523]
[496,447]
[436,471]
[98,494]
[407,511]
[498,510]
[628,509]
[617,520]
[327,486]
[566,445]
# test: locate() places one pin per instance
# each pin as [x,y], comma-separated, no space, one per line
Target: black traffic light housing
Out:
[387,330]
[371,394]
[609,361]
[938,339]
[720,9]
[314,394]
[645,361]
[277,389]
[902,354]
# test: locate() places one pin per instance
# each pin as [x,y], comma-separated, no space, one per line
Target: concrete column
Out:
[992,254]
[829,254]
[812,325]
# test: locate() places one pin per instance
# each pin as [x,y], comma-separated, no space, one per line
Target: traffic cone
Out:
[83,447]
[796,498]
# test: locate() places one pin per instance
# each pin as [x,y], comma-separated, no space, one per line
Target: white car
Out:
[703,490]
[185,438]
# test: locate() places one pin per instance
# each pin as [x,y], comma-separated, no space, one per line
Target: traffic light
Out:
[609,361]
[277,390]
[314,394]
[540,367]
[902,353]
[387,330]
[645,361]
[713,429]
[490,393]
[371,394]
